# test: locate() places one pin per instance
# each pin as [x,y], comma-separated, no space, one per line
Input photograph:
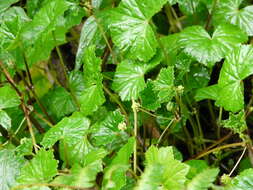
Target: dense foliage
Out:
[126,94]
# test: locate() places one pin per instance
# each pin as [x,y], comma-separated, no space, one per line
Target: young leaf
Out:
[208,49]
[93,96]
[41,169]
[10,166]
[25,148]
[229,11]
[84,177]
[149,96]
[115,172]
[5,120]
[203,180]
[8,97]
[236,122]
[90,35]
[242,181]
[130,28]
[105,133]
[163,85]
[238,66]
[70,129]
[162,171]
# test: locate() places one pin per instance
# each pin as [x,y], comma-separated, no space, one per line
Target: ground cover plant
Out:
[126,94]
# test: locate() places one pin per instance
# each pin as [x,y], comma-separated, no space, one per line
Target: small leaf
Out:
[203,180]
[210,92]
[8,97]
[90,35]
[164,84]
[130,28]
[10,166]
[93,96]
[149,96]
[25,148]
[84,177]
[70,129]
[236,122]
[41,169]
[106,134]
[196,167]
[162,170]
[242,181]
[5,120]
[229,11]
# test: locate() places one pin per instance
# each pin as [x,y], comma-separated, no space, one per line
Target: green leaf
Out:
[41,35]
[41,169]
[129,77]
[59,102]
[76,152]
[229,11]
[237,66]
[196,167]
[76,82]
[6,4]
[115,172]
[70,129]
[8,97]
[162,170]
[10,166]
[93,96]
[149,97]
[5,120]
[235,122]
[130,28]
[210,92]
[81,177]
[106,134]
[203,180]
[164,84]
[242,181]
[209,49]
[25,148]
[90,35]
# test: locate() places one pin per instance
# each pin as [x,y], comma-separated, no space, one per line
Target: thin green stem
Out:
[135,111]
[164,131]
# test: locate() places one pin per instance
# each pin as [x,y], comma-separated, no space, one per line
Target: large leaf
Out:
[238,66]
[106,133]
[164,84]
[208,49]
[9,169]
[41,169]
[70,129]
[8,97]
[5,120]
[230,11]
[90,35]
[129,77]
[93,96]
[130,28]
[6,4]
[203,180]
[162,171]
[59,102]
[46,30]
